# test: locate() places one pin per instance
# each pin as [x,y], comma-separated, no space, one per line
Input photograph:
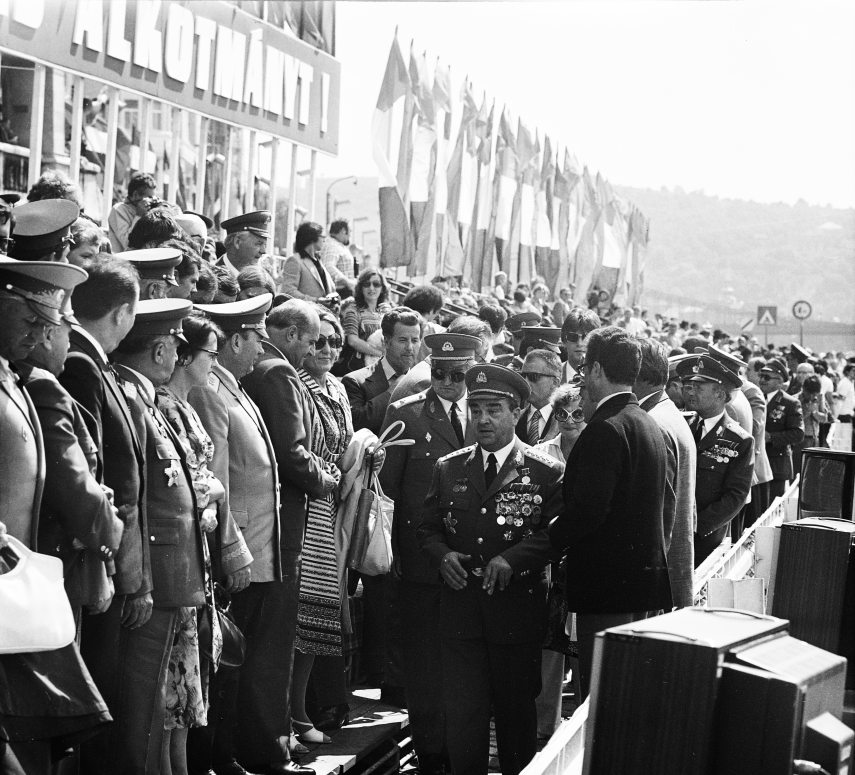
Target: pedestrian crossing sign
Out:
[767,316]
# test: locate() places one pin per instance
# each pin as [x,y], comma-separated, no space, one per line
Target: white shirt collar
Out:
[610,396]
[6,370]
[711,422]
[461,407]
[387,367]
[501,454]
[145,382]
[92,340]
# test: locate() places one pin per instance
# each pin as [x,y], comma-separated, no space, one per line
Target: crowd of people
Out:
[180,417]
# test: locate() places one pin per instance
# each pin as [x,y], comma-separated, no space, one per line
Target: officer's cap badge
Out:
[482,377]
[448,347]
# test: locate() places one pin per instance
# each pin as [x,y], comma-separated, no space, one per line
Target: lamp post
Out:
[329,197]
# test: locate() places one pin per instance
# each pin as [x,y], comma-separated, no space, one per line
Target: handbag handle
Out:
[391,437]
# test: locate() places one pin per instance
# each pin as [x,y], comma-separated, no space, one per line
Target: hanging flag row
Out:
[493,197]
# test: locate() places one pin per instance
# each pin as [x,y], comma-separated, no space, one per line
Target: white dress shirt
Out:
[500,454]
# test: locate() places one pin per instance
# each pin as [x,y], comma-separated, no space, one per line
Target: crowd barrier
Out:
[564,753]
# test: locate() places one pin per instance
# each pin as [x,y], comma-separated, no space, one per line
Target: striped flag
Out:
[545,213]
[422,182]
[442,106]
[480,251]
[522,218]
[396,247]
[504,190]
[585,256]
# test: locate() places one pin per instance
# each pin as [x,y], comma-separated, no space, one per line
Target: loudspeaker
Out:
[654,687]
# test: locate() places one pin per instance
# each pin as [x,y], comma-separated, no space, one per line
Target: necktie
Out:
[322,275]
[492,469]
[455,423]
[699,431]
[534,426]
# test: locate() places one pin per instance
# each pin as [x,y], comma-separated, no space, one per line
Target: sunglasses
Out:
[534,376]
[335,342]
[562,414]
[440,374]
[768,377]
[572,337]
[372,284]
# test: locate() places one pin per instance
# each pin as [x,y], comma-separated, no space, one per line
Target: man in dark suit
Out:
[369,389]
[106,305]
[542,370]
[485,505]
[784,425]
[287,410]
[145,360]
[437,420]
[611,526]
[725,450]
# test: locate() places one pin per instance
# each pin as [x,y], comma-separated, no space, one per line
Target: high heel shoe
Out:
[307,733]
[331,718]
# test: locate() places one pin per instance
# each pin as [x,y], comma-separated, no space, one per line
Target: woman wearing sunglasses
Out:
[566,403]
[362,318]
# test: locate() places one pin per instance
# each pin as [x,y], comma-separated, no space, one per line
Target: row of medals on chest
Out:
[512,506]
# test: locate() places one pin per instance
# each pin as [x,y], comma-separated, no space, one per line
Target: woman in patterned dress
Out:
[319,610]
[362,317]
[190,671]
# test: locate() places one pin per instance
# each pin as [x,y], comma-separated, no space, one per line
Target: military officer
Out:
[145,360]
[784,425]
[246,240]
[515,324]
[436,419]
[725,461]
[485,506]
[42,229]
[156,267]
[539,337]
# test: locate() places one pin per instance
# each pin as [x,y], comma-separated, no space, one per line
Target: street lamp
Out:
[329,198]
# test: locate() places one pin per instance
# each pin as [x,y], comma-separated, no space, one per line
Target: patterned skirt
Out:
[319,609]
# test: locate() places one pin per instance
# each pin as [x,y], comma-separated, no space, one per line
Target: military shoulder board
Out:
[457,452]
[407,400]
[536,454]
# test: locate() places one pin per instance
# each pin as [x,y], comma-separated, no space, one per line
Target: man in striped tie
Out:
[542,371]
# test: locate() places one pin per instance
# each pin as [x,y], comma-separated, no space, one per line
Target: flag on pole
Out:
[396,247]
[585,257]
[504,190]
[482,259]
[422,182]
[442,106]
[544,216]
[522,216]
[453,254]
[405,149]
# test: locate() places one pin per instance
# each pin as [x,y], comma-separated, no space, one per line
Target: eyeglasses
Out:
[534,376]
[212,353]
[335,342]
[767,377]
[440,374]
[562,414]
[372,284]
[572,337]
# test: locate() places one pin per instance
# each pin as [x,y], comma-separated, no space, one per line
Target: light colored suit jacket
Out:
[681,474]
[244,462]
[762,469]
[301,279]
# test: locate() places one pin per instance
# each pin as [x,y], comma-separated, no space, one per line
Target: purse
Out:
[34,608]
[234,642]
[370,550]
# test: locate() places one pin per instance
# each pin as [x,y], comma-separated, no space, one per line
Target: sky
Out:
[748,100]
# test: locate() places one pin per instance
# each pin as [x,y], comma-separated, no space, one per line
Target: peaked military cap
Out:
[452,347]
[675,360]
[776,367]
[729,360]
[209,222]
[10,197]
[154,263]
[44,285]
[540,337]
[236,316]
[161,317]
[256,222]
[515,323]
[42,226]
[707,369]
[799,353]
[487,380]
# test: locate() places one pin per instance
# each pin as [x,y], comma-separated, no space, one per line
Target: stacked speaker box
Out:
[815,584]
[654,689]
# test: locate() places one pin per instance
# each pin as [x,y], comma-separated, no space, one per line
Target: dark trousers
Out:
[129,668]
[587,626]
[327,683]
[776,488]
[705,545]
[423,680]
[212,746]
[478,674]
[267,615]
[759,503]
[382,642]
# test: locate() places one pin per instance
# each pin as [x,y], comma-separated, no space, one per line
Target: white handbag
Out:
[35,614]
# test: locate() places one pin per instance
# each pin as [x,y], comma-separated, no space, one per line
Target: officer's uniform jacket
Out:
[725,467]
[174,533]
[462,514]
[407,474]
[246,465]
[785,426]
